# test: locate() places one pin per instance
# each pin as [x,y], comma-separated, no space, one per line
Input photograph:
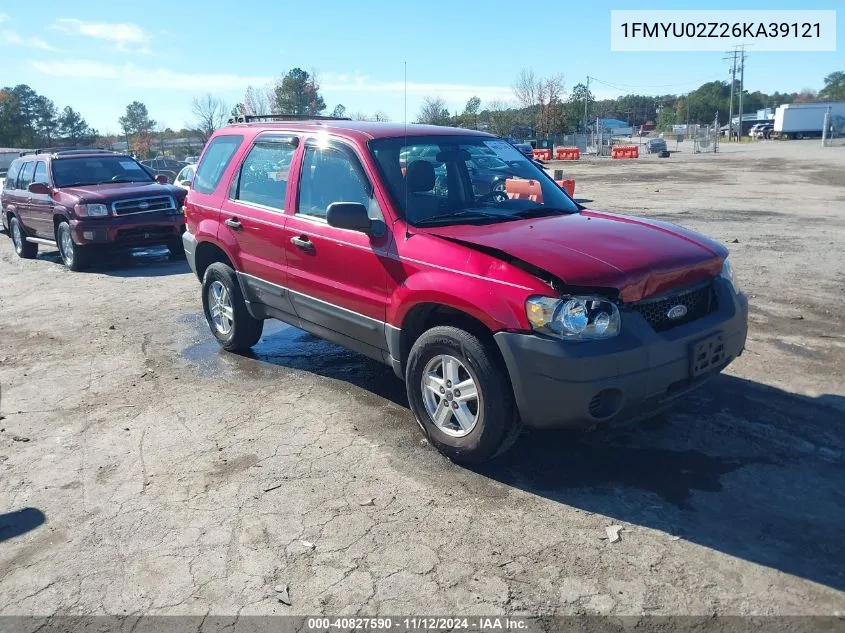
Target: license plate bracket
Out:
[707,354]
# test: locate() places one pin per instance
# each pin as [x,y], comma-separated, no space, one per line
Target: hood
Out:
[637,257]
[119,190]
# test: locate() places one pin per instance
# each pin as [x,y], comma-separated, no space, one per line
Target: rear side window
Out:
[41,173]
[12,176]
[26,175]
[214,162]
[263,177]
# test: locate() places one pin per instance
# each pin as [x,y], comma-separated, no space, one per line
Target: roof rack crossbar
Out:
[65,150]
[264,118]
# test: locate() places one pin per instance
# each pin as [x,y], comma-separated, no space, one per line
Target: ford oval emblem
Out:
[677,312]
[144,205]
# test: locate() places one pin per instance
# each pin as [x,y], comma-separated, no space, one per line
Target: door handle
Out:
[233,224]
[302,243]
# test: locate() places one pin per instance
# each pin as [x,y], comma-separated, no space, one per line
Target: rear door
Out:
[41,205]
[253,219]
[24,198]
[337,277]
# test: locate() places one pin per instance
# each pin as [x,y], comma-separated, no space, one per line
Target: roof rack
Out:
[67,150]
[269,118]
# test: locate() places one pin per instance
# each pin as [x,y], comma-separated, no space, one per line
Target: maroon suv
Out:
[86,201]
[497,307]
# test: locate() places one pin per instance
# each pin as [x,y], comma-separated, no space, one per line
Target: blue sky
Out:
[99,56]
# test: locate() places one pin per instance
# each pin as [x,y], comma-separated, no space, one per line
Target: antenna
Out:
[407,232]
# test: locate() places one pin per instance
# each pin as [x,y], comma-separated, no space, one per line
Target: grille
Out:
[143,205]
[699,302]
[145,232]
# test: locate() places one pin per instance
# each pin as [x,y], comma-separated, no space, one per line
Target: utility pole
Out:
[741,88]
[586,100]
[733,81]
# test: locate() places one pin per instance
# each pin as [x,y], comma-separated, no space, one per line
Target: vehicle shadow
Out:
[745,469]
[141,262]
[19,522]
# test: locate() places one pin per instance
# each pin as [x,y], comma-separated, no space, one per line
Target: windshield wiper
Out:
[539,212]
[464,213]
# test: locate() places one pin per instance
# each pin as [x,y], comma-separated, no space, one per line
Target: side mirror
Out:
[349,215]
[162,179]
[39,188]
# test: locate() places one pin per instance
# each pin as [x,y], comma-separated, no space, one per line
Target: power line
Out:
[624,87]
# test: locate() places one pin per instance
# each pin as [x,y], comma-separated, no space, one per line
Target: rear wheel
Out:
[226,312]
[460,395]
[73,256]
[24,249]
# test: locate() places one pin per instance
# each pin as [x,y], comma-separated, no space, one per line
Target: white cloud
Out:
[125,36]
[358,83]
[3,17]
[132,76]
[14,39]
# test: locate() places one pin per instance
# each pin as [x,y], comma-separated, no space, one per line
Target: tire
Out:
[235,329]
[481,427]
[74,257]
[177,249]
[24,249]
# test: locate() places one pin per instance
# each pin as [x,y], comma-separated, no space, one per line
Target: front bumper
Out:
[578,384]
[128,231]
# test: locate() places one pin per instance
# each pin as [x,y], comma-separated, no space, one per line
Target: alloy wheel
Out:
[220,307]
[451,396]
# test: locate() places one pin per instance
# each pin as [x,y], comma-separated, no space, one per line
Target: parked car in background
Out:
[166,167]
[656,145]
[86,201]
[764,130]
[191,160]
[497,309]
[185,177]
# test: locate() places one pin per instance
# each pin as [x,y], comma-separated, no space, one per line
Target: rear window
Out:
[12,176]
[214,162]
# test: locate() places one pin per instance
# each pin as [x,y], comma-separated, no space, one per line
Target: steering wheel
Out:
[494,195]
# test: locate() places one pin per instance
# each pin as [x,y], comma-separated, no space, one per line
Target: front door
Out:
[254,219]
[337,276]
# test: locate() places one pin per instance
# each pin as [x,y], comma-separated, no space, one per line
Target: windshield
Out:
[96,170]
[441,180]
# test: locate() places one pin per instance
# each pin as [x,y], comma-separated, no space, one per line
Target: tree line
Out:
[541,106]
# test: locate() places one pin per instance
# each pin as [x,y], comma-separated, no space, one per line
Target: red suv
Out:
[84,201]
[497,308]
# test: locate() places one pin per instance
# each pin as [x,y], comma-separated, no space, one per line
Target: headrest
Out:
[419,176]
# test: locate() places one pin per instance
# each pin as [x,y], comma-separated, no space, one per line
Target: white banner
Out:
[719,30]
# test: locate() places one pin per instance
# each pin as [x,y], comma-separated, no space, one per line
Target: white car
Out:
[185,177]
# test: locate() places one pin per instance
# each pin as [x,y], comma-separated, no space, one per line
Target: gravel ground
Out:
[144,471]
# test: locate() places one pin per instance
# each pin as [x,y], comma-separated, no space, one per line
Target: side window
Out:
[26,175]
[331,175]
[41,173]
[214,161]
[12,176]
[264,174]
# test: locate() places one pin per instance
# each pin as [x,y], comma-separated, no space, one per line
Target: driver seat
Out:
[419,185]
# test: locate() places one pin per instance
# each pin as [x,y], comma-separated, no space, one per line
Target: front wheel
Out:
[226,312]
[73,256]
[24,249]
[460,395]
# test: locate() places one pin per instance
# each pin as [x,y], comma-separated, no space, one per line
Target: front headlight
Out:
[574,318]
[728,273]
[91,210]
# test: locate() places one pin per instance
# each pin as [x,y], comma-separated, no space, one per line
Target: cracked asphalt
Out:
[143,471]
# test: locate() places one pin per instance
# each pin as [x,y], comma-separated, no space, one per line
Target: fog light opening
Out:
[88,235]
[605,404]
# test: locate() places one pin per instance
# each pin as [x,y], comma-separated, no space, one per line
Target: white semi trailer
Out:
[806,120]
